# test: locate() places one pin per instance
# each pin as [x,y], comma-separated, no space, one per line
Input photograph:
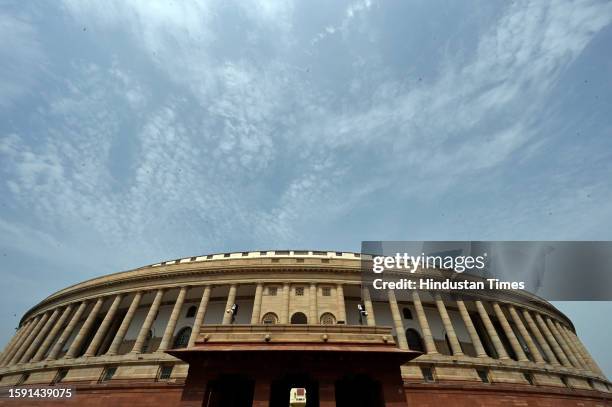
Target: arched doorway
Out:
[229,391]
[359,391]
[299,318]
[414,340]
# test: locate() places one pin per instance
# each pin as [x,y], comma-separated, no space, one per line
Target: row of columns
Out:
[543,336]
[559,343]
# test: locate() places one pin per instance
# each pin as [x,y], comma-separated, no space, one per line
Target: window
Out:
[328,319]
[108,373]
[182,338]
[59,376]
[414,340]
[262,253]
[483,374]
[191,312]
[299,291]
[226,255]
[427,374]
[407,313]
[244,254]
[269,318]
[299,318]
[326,291]
[272,290]
[165,371]
[528,377]
[24,377]
[193,259]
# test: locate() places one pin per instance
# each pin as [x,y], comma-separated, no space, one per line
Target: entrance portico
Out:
[338,366]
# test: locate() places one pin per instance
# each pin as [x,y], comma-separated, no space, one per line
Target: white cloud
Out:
[261,152]
[21,59]
[351,12]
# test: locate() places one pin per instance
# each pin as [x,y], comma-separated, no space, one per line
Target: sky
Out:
[139,131]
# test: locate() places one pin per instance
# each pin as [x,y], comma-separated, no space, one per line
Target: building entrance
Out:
[359,391]
[229,391]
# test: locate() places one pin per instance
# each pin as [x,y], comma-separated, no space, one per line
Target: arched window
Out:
[328,319]
[182,338]
[299,318]
[269,318]
[191,312]
[407,313]
[414,340]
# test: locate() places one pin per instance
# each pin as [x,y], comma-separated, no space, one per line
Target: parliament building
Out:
[243,329]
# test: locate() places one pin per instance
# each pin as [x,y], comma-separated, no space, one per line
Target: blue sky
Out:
[136,131]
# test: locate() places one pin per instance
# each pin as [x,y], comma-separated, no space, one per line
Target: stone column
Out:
[92,349]
[469,325]
[497,343]
[397,321]
[27,338]
[199,318]
[148,322]
[313,317]
[540,338]
[585,353]
[8,346]
[340,303]
[448,327]
[231,300]
[257,304]
[525,334]
[514,342]
[284,315]
[430,345]
[174,316]
[367,302]
[52,334]
[551,340]
[15,342]
[572,346]
[563,344]
[42,334]
[30,338]
[56,349]
[125,325]
[78,341]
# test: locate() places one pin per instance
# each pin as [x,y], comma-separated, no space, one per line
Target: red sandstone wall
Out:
[119,397]
[424,395]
